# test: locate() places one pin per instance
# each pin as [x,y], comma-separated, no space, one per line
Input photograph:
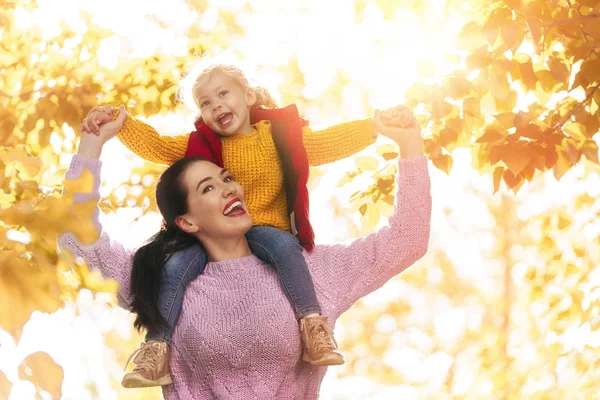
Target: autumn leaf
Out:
[366,163]
[576,130]
[516,156]
[498,173]
[41,370]
[5,386]
[27,288]
[443,162]
[589,149]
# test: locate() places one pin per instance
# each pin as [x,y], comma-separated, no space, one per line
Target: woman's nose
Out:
[229,190]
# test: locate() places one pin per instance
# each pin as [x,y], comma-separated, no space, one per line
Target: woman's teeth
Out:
[232,207]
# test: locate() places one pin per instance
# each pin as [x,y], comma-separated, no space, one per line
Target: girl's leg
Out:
[282,250]
[180,269]
[152,358]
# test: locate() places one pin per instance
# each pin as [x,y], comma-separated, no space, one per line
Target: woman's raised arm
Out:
[345,273]
[112,259]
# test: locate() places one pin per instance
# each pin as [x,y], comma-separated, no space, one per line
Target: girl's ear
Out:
[186,225]
[251,97]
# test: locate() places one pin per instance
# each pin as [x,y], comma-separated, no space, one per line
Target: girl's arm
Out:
[139,137]
[146,142]
[111,258]
[345,273]
[337,141]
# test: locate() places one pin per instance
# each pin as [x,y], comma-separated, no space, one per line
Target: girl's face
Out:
[225,105]
[216,206]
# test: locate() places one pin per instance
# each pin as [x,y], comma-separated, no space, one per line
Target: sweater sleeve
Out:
[110,258]
[146,142]
[337,141]
[345,273]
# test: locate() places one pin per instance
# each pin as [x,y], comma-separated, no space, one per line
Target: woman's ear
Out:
[251,97]
[185,225]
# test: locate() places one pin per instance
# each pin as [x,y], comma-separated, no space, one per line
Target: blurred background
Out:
[505,303]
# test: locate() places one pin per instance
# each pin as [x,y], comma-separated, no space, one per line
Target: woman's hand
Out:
[97,116]
[90,146]
[400,125]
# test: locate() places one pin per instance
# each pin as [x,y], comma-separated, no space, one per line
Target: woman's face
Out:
[216,206]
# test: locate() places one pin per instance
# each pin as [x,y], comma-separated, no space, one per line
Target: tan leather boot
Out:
[319,345]
[152,366]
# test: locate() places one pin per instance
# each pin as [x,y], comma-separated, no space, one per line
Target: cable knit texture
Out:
[253,158]
[237,337]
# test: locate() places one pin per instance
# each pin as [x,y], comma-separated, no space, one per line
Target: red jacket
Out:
[286,129]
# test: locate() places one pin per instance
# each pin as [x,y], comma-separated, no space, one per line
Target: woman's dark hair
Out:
[149,260]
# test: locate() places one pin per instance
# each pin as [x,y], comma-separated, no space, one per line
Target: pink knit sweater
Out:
[237,337]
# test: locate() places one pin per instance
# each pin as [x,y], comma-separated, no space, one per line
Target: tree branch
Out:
[575,110]
[571,20]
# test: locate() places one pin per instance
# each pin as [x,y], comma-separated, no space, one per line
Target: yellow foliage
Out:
[41,369]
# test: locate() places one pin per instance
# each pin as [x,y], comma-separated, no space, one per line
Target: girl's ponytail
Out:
[264,98]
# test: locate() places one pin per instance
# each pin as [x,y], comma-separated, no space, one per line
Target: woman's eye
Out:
[228,179]
[207,189]
[223,93]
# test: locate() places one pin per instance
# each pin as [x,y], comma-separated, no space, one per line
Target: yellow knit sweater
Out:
[253,159]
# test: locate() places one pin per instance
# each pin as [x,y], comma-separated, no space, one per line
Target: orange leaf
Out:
[41,370]
[498,172]
[513,181]
[576,130]
[5,386]
[516,156]
[443,162]
[562,165]
[572,151]
[506,119]
[589,149]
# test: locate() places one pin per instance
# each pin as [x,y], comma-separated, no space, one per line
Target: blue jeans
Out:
[273,246]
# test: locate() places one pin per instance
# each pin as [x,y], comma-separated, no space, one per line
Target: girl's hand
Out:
[90,146]
[97,116]
[408,136]
[399,116]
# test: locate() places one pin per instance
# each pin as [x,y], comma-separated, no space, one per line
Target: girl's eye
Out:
[204,103]
[207,189]
[228,179]
[223,93]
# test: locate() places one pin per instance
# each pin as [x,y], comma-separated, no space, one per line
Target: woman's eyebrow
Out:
[208,178]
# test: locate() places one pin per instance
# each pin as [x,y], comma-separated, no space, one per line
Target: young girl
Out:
[268,151]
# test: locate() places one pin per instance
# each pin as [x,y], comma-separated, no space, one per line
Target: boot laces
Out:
[321,334]
[150,354]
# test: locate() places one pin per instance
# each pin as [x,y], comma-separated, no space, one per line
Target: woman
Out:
[237,337]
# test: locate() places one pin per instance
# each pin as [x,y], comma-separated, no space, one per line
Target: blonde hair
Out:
[206,69]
